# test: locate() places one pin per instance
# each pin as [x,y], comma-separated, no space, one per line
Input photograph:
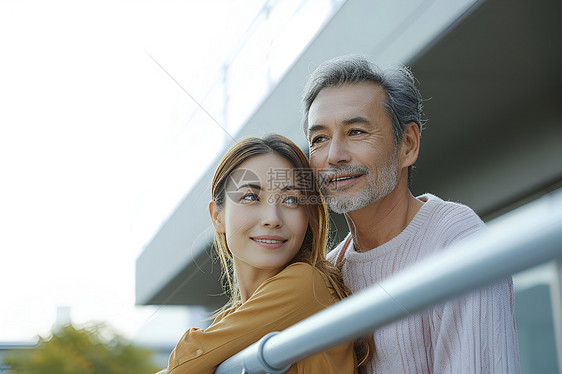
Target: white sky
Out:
[96,149]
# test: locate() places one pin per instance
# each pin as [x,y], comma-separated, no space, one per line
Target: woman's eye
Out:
[249,197]
[291,200]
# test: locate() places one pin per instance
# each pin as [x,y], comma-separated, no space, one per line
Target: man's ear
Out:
[410,145]
[216,217]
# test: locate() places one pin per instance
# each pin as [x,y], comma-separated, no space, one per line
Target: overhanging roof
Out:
[492,72]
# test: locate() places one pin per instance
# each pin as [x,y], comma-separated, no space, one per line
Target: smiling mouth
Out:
[269,241]
[344,178]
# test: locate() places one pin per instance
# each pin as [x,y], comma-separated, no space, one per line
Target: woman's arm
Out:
[292,295]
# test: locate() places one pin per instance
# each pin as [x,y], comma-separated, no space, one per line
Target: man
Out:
[363,126]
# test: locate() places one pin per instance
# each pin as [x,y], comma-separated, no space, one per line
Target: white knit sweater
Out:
[470,334]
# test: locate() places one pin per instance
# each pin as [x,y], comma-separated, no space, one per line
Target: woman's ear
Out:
[216,217]
[410,145]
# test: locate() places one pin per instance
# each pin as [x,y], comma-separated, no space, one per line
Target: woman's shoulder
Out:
[299,272]
[303,282]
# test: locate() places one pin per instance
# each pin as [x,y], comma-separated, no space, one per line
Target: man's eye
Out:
[355,132]
[317,139]
[249,197]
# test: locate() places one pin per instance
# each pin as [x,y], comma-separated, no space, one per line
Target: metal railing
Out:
[527,240]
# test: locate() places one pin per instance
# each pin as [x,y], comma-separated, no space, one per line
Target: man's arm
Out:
[475,333]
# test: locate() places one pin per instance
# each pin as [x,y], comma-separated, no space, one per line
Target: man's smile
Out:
[337,180]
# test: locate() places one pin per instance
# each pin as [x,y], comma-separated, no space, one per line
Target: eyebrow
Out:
[315,128]
[291,187]
[250,185]
[356,119]
[349,121]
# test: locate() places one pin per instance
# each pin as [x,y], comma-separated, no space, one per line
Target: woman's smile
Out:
[269,241]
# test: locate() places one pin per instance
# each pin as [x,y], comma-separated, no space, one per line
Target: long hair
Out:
[313,248]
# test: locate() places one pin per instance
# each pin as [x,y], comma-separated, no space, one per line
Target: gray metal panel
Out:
[535,328]
[494,82]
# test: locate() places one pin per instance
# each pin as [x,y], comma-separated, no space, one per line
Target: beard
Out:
[379,184]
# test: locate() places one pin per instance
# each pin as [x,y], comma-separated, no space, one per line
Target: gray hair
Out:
[403,99]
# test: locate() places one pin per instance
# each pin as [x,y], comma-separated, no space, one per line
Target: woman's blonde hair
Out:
[313,248]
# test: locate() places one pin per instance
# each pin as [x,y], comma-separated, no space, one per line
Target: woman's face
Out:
[262,219]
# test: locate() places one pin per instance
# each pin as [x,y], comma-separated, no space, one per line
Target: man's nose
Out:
[338,152]
[271,217]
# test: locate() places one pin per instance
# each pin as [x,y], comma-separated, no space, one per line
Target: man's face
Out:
[352,146]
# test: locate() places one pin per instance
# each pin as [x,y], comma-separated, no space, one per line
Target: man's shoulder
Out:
[452,219]
[332,255]
[442,211]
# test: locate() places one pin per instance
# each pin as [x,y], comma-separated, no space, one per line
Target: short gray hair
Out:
[403,99]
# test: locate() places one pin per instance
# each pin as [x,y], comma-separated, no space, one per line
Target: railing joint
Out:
[261,359]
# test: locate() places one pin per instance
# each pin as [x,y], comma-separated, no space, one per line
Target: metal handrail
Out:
[526,241]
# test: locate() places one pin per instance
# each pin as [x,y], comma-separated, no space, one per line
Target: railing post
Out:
[252,360]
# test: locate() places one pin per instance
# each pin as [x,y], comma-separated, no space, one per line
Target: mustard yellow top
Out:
[297,292]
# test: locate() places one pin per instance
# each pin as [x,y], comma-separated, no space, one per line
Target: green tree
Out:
[93,349]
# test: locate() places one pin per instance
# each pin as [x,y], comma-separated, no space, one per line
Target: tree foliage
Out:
[94,349]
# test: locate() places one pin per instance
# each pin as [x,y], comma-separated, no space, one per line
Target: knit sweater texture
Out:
[474,333]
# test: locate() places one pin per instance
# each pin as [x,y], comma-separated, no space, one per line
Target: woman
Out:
[271,231]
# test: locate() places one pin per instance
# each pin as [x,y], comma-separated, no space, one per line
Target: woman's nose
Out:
[271,217]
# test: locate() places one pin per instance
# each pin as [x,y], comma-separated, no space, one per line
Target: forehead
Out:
[263,170]
[346,101]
